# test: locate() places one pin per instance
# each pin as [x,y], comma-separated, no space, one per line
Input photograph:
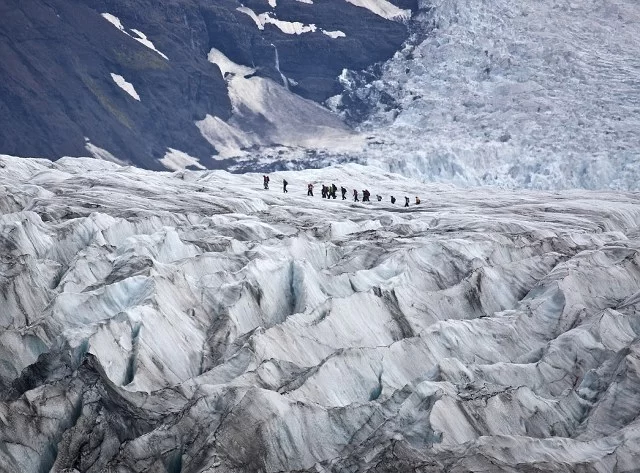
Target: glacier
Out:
[536,94]
[193,322]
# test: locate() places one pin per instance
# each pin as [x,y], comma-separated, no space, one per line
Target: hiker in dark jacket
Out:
[334,188]
[284,185]
[310,189]
[344,192]
[265,181]
[393,200]
[324,191]
[365,196]
[355,195]
[406,201]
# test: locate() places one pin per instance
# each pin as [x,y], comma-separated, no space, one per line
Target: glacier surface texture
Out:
[194,322]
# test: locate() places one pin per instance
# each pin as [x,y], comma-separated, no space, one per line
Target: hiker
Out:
[406,201]
[393,200]
[324,191]
[310,189]
[334,188]
[379,197]
[355,196]
[265,180]
[344,192]
[365,196]
[417,200]
[284,185]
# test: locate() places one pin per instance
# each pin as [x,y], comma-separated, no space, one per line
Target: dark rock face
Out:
[57,57]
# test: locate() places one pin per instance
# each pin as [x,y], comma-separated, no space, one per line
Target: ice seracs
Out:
[193,318]
[533,94]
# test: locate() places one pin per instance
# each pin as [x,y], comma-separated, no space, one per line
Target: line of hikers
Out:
[329,192]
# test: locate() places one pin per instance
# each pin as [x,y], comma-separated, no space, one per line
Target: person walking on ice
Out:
[344,192]
[393,200]
[310,189]
[417,200]
[355,195]
[265,180]
[379,197]
[406,201]
[284,186]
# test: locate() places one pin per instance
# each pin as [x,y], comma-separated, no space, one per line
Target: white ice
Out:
[538,94]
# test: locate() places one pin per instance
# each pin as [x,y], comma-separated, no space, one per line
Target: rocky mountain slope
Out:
[194,322]
[129,80]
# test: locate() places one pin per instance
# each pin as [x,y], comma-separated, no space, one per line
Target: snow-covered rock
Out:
[193,321]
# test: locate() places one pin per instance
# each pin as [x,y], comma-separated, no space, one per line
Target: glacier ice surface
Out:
[192,321]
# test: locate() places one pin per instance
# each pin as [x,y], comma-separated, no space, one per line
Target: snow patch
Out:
[142,38]
[334,34]
[227,140]
[287,27]
[252,15]
[115,21]
[226,65]
[100,153]
[126,86]
[176,160]
[139,35]
[383,8]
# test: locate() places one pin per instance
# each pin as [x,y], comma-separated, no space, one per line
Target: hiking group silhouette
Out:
[329,192]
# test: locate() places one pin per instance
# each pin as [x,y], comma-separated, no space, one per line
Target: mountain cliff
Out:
[129,80]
